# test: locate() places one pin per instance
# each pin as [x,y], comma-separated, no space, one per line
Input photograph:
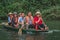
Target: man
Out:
[29,20]
[21,19]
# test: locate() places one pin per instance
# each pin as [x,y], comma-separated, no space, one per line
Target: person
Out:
[10,16]
[38,22]
[15,20]
[29,20]
[19,15]
[21,19]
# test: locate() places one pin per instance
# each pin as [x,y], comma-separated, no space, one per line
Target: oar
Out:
[20,31]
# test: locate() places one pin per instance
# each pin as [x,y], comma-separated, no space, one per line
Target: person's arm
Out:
[9,20]
[32,20]
[35,20]
[43,22]
[26,18]
[19,19]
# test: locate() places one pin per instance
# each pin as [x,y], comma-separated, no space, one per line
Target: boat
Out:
[32,31]
[11,28]
[24,31]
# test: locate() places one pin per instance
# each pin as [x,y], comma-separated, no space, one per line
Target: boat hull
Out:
[24,31]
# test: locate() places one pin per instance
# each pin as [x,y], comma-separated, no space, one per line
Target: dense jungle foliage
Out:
[50,9]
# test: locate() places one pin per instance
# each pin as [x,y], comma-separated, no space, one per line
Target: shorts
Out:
[41,26]
[31,26]
[9,23]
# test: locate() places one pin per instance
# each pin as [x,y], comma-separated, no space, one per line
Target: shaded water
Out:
[11,35]
[51,35]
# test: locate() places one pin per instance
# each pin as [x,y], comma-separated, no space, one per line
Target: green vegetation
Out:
[50,9]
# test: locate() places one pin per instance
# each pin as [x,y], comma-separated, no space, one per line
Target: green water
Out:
[11,35]
[55,35]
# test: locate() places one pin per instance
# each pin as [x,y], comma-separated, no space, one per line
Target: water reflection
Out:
[40,36]
[11,35]
[36,37]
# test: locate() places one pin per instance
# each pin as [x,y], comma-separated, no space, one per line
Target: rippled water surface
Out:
[11,35]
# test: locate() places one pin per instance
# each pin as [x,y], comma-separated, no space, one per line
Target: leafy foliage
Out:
[45,6]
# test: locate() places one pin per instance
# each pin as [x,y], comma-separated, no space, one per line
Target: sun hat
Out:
[37,13]
[14,12]
[9,13]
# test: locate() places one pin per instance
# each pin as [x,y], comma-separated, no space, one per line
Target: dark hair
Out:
[28,12]
[22,12]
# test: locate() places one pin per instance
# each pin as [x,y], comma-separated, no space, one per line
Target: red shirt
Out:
[36,19]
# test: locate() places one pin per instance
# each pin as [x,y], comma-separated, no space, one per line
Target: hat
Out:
[9,13]
[19,13]
[15,13]
[37,13]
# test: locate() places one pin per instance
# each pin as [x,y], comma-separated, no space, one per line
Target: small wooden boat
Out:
[11,28]
[23,30]
[32,31]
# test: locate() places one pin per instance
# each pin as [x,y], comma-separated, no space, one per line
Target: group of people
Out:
[27,21]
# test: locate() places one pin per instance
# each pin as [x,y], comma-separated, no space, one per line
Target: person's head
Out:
[29,14]
[38,14]
[15,14]
[22,14]
[10,14]
[19,14]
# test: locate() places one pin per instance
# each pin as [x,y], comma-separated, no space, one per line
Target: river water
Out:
[11,35]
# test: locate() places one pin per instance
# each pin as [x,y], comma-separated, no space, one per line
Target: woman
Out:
[29,20]
[15,20]
[38,22]
[10,16]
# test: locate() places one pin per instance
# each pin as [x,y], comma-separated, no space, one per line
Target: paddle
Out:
[20,32]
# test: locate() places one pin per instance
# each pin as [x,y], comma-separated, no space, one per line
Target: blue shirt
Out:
[9,20]
[21,19]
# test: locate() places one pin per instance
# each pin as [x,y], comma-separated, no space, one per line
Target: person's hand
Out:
[36,22]
[27,23]
[46,28]
[45,25]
